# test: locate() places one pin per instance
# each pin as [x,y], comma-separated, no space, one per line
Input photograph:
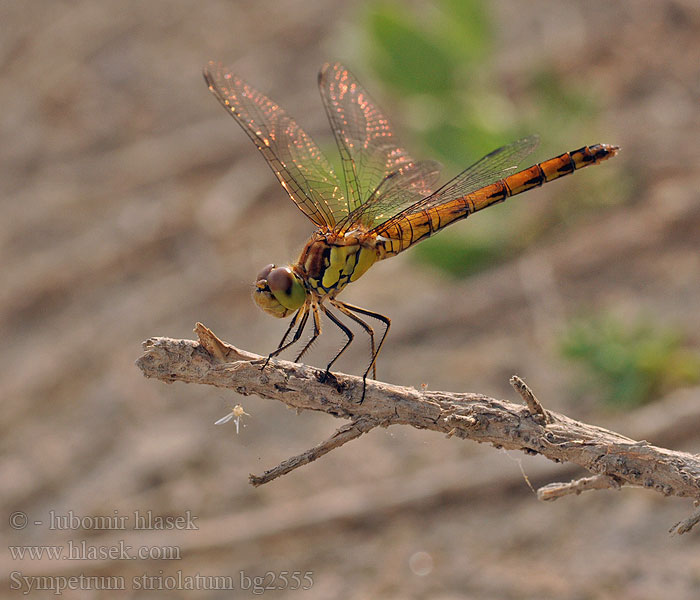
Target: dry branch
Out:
[340,437]
[613,459]
[553,491]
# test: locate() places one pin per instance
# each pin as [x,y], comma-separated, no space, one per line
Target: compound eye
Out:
[264,273]
[279,279]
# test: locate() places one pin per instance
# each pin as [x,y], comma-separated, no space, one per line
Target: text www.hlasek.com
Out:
[84,551]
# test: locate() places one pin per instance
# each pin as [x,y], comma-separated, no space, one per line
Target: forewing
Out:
[300,166]
[491,168]
[368,148]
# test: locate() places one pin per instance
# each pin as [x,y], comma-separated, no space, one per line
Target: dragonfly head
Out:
[278,291]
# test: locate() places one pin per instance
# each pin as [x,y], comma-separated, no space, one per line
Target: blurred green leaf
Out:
[447,142]
[460,144]
[466,28]
[460,256]
[405,56]
[631,365]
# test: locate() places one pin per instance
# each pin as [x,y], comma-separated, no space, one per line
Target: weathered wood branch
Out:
[613,459]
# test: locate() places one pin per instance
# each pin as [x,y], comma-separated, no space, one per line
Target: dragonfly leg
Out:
[375,353]
[300,318]
[349,334]
[341,307]
[317,332]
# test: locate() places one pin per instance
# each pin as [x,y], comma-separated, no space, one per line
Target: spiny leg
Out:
[303,312]
[341,307]
[379,317]
[301,317]
[317,331]
[349,334]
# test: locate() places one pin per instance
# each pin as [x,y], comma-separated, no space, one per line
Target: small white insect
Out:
[236,413]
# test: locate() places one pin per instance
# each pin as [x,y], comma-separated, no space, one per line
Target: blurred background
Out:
[133,206]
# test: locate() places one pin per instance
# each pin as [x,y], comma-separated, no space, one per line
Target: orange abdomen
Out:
[412,228]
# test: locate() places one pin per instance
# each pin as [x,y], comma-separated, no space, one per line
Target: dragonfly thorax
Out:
[326,265]
[329,262]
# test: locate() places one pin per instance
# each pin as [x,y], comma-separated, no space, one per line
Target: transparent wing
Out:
[491,168]
[397,191]
[296,160]
[368,148]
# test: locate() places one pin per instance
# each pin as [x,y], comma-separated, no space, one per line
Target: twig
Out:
[477,417]
[343,435]
[533,404]
[553,491]
[687,524]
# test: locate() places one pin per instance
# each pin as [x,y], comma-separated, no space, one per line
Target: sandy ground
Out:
[133,206]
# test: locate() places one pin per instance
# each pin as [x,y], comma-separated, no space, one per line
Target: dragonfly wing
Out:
[300,166]
[491,168]
[397,191]
[368,147]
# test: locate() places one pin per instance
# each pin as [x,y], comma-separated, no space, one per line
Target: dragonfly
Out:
[384,203]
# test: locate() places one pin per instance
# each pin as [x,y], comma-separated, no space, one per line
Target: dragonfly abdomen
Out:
[403,233]
[539,174]
[557,167]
